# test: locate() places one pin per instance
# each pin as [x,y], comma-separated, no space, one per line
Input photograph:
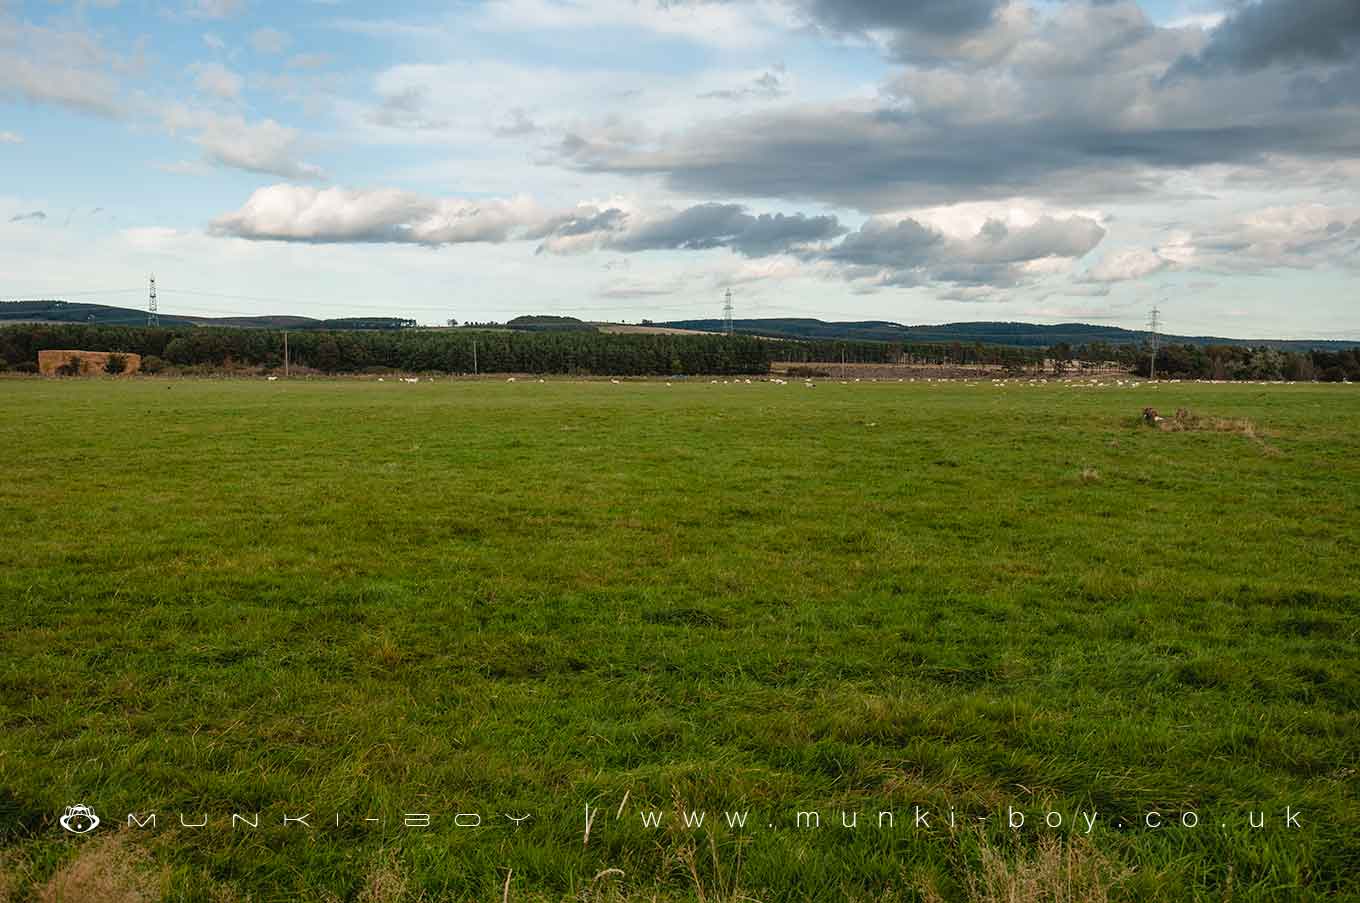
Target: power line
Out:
[1154,324]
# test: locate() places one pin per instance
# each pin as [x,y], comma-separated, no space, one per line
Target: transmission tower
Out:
[1154,325]
[152,317]
[727,313]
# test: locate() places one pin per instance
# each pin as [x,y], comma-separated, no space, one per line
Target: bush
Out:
[116,364]
[70,368]
[26,367]
[152,364]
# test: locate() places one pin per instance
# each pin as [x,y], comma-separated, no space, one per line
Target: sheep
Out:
[271,378]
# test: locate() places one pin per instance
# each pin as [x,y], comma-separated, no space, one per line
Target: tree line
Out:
[611,354]
[1231,362]
[416,351]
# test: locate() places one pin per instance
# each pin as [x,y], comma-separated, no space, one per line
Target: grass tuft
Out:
[1053,871]
[108,869]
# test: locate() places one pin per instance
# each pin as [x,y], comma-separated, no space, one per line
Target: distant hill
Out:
[1025,335]
[548,323]
[54,311]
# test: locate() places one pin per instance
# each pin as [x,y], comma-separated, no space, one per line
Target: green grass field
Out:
[363,600]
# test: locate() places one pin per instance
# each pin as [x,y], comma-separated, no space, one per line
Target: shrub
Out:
[70,368]
[117,363]
[152,364]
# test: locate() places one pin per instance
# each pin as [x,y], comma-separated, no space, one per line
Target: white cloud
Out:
[183,167]
[727,25]
[308,60]
[214,9]
[1302,236]
[217,80]
[11,138]
[64,67]
[264,146]
[1127,265]
[337,215]
[269,40]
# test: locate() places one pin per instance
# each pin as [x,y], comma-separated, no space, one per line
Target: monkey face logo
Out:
[79,819]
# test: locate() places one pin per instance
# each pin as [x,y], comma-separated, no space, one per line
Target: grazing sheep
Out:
[272,378]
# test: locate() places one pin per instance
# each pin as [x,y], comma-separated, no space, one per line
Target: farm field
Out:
[359,600]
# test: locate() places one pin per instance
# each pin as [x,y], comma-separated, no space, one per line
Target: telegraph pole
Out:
[1154,323]
[285,354]
[727,313]
[474,355]
[153,317]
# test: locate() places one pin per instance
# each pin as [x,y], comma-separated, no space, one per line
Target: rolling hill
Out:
[1028,335]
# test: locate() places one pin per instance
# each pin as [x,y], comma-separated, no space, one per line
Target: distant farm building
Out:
[92,363]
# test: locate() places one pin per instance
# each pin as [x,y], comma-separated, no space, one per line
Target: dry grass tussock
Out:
[1053,872]
[1188,421]
[386,882]
[110,870]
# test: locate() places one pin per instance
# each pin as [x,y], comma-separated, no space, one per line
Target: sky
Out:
[919,161]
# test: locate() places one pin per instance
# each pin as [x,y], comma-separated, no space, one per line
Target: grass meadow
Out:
[366,600]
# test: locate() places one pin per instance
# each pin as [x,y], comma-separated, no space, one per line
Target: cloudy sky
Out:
[922,161]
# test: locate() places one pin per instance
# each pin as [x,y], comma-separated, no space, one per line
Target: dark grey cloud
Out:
[698,228]
[1267,32]
[905,252]
[1078,107]
[933,17]
[34,215]
[883,252]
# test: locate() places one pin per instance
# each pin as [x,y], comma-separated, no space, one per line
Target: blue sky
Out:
[913,160]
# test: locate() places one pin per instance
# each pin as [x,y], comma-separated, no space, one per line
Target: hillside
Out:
[1028,335]
[1022,335]
[55,311]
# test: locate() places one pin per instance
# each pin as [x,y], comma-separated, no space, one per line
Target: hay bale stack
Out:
[92,363]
